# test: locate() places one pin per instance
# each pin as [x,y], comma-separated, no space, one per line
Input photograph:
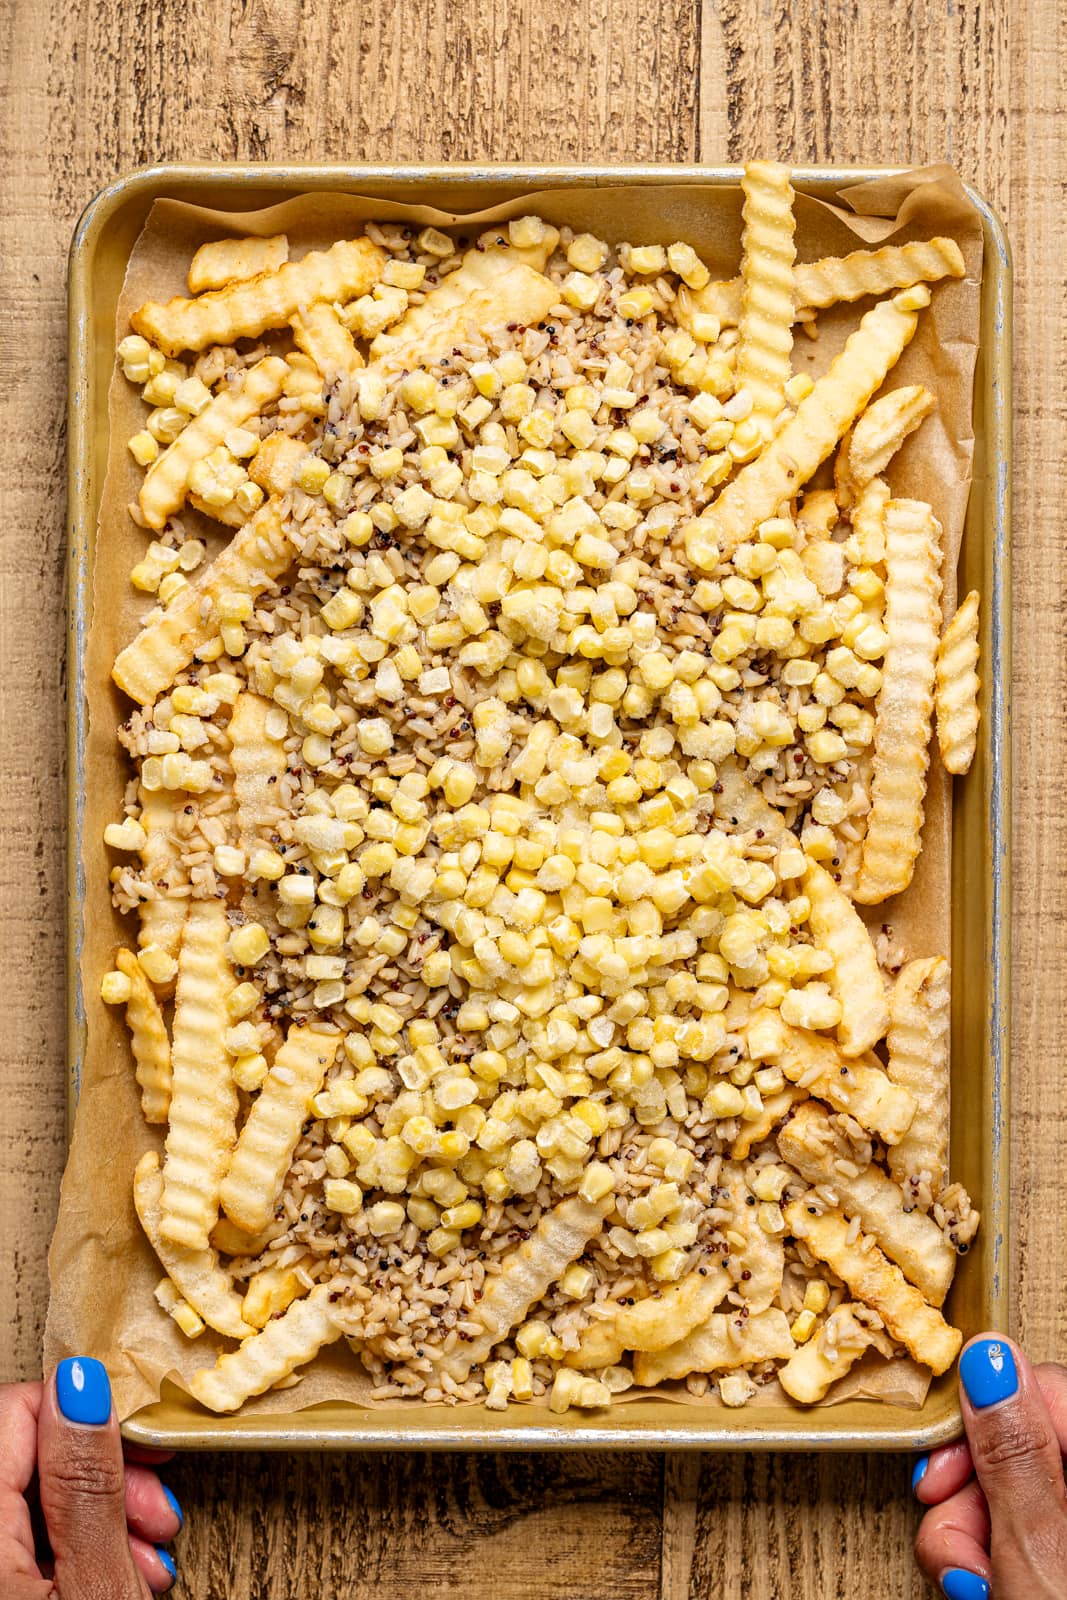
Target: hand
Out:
[997,1523]
[61,1464]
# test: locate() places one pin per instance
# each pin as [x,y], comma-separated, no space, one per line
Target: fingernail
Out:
[987,1371]
[167,1564]
[919,1472]
[83,1390]
[174,1506]
[959,1584]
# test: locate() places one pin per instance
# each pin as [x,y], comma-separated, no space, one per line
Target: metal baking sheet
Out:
[980,839]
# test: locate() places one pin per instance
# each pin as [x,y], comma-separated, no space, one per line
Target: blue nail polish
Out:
[172,1572]
[959,1584]
[174,1506]
[83,1390]
[987,1371]
[919,1472]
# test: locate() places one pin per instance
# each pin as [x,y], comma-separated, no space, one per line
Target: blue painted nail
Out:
[987,1371]
[171,1570]
[919,1472]
[174,1506]
[83,1390]
[959,1584]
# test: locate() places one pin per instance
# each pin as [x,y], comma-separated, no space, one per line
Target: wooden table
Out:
[93,87]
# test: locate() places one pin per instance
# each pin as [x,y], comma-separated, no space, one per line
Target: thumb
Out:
[82,1486]
[1018,1465]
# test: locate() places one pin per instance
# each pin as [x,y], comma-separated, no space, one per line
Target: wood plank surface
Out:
[89,88]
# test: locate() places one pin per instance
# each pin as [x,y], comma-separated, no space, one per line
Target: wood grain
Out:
[89,88]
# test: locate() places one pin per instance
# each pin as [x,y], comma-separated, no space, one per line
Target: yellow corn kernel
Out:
[340,1194]
[803,1326]
[115,988]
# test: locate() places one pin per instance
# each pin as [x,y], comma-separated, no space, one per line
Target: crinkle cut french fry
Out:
[231,1240]
[855,977]
[254,558]
[272,1128]
[845,278]
[489,289]
[759,1256]
[817,514]
[957,686]
[794,454]
[224,261]
[321,334]
[271,1290]
[274,464]
[203,1105]
[861,1088]
[166,482]
[812,1369]
[665,1317]
[258,762]
[912,1239]
[918,1041]
[715,1348]
[905,703]
[776,1107]
[867,516]
[874,1279]
[877,437]
[559,1238]
[767,253]
[264,1360]
[163,915]
[245,310]
[148,1037]
[197,1273]
[231,515]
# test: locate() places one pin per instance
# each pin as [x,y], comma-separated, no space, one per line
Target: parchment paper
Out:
[102,1270]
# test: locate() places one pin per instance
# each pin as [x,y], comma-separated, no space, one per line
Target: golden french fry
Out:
[918,1040]
[767,254]
[166,483]
[196,1273]
[716,1348]
[271,1291]
[258,761]
[860,1088]
[256,555]
[163,916]
[819,284]
[913,1240]
[560,1237]
[264,1360]
[231,515]
[776,1107]
[867,516]
[224,261]
[759,1256]
[877,437]
[872,1278]
[245,310]
[488,289]
[231,1240]
[265,1147]
[665,1317]
[203,1105]
[148,1036]
[957,686]
[820,420]
[274,464]
[827,1355]
[905,701]
[818,513]
[321,334]
[855,977]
